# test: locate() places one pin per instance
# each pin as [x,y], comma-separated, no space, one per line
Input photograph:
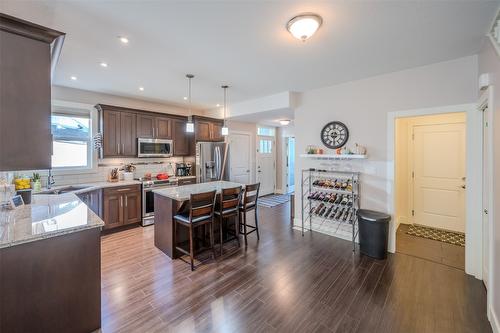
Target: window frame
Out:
[78,109]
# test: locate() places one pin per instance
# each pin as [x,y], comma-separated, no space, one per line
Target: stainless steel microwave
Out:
[154,147]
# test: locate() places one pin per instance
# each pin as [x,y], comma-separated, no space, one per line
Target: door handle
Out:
[248,171]
[463,186]
[486,211]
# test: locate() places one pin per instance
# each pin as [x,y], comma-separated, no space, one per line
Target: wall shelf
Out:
[334,156]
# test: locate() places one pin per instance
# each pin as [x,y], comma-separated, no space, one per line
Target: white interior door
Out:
[486,192]
[240,163]
[266,156]
[439,176]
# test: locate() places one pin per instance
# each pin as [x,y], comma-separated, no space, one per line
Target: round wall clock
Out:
[334,135]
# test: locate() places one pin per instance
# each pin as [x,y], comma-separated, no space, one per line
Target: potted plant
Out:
[128,171]
[36,182]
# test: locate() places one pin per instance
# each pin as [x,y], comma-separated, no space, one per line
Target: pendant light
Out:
[189,124]
[225,130]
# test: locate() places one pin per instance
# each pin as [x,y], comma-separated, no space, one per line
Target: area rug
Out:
[273,200]
[450,237]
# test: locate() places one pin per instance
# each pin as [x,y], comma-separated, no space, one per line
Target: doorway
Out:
[240,157]
[430,163]
[290,164]
[266,166]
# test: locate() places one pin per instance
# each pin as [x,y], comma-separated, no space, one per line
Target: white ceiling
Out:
[245,44]
[269,118]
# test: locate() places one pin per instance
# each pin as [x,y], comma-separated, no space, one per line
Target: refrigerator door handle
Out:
[217,159]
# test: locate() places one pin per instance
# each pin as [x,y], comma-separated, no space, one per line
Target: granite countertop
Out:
[182,193]
[47,216]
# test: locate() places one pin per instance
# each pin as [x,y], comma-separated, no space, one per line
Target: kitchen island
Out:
[172,201]
[50,273]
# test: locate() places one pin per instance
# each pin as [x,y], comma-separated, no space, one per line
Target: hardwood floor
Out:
[440,252]
[283,283]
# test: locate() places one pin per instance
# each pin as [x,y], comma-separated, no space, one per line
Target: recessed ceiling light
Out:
[141,88]
[74,78]
[217,105]
[303,26]
[104,64]
[284,122]
[185,98]
[124,40]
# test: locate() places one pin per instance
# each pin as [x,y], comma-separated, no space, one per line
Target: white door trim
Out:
[486,100]
[473,248]
[252,156]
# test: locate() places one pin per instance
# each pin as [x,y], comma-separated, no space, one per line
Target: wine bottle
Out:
[318,208]
[334,212]
[345,200]
[328,212]
[339,214]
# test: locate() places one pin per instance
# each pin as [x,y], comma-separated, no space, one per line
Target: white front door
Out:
[486,192]
[239,152]
[266,173]
[439,176]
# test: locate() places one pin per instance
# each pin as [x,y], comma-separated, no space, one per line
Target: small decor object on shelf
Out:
[334,135]
[36,182]
[128,172]
[330,200]
[359,150]
[113,176]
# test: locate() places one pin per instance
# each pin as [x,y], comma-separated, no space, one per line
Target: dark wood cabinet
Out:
[163,128]
[202,130]
[145,126]
[128,137]
[207,129]
[186,181]
[181,138]
[121,206]
[118,129]
[28,53]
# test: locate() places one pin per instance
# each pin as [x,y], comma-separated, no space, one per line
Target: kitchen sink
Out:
[65,189]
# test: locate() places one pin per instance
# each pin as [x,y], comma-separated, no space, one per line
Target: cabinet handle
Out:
[118,148]
[123,148]
[126,202]
[123,190]
[153,132]
[121,201]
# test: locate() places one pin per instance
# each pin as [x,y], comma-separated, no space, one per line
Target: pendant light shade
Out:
[189,124]
[225,129]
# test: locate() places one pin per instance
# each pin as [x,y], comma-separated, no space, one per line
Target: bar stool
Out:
[201,213]
[249,202]
[228,207]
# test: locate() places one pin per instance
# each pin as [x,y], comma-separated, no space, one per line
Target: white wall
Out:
[489,62]
[363,106]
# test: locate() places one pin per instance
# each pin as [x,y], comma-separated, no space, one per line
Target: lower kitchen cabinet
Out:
[121,206]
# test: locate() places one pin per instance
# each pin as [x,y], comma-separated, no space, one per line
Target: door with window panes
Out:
[266,156]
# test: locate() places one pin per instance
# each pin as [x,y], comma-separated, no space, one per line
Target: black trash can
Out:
[373,233]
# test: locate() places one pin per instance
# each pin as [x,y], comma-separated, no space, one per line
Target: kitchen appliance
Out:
[212,159]
[148,198]
[154,147]
[183,169]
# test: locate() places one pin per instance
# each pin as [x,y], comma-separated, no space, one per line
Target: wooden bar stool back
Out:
[201,212]
[228,207]
[249,203]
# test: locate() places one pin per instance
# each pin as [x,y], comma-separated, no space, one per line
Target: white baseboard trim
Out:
[494,322]
[279,191]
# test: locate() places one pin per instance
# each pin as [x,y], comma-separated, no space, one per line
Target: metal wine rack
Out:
[330,201]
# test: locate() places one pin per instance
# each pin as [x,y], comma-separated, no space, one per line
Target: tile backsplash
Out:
[100,173]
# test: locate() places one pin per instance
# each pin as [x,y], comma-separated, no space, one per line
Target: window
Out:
[71,140]
[265,146]
[266,131]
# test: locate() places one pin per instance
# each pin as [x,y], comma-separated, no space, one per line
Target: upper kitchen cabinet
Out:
[28,57]
[208,129]
[118,129]
[157,127]
[181,138]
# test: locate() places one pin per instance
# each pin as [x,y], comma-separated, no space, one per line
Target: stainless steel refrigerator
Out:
[212,161]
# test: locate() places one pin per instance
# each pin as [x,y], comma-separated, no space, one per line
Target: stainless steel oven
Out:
[154,147]
[148,198]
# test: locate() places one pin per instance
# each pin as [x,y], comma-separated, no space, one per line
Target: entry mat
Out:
[450,237]
[273,200]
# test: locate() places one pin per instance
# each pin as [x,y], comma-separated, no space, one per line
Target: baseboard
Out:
[279,191]
[495,324]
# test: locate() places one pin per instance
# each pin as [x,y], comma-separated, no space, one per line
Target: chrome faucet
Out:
[50,180]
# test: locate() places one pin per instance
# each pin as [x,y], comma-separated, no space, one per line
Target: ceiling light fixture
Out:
[303,26]
[284,122]
[104,64]
[217,105]
[74,78]
[185,98]
[124,40]
[141,88]
[225,130]
[189,124]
